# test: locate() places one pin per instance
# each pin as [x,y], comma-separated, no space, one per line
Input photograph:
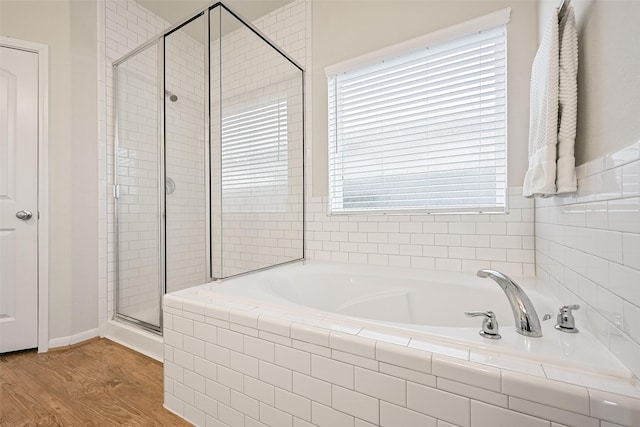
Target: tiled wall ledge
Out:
[588,249]
[233,364]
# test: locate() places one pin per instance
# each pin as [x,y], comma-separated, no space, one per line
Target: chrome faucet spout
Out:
[524,315]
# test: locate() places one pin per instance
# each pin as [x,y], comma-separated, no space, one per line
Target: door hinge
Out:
[116,191]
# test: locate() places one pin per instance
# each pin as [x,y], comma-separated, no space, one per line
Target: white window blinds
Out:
[424,131]
[255,160]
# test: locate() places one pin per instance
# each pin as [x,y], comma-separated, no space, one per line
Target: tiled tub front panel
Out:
[238,365]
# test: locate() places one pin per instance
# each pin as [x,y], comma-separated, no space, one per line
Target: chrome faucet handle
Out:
[489,323]
[565,321]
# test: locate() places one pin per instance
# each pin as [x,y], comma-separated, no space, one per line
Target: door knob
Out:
[24,215]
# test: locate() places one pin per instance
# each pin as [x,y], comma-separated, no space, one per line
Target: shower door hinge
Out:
[116,191]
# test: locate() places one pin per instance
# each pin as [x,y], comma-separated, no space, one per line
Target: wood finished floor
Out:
[99,383]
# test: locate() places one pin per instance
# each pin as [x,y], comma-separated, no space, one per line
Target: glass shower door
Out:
[138,201]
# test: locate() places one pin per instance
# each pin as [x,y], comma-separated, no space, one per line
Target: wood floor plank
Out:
[100,383]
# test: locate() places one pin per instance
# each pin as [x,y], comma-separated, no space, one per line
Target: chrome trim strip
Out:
[207,147]
[116,219]
[269,267]
[304,156]
[162,202]
[143,325]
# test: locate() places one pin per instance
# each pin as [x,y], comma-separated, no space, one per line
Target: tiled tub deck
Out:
[237,364]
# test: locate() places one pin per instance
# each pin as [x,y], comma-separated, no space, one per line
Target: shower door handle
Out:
[24,215]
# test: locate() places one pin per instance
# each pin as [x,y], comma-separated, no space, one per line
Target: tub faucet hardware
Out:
[565,320]
[546,317]
[525,316]
[489,323]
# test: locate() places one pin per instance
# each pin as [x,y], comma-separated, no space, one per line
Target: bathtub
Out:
[409,323]
[413,304]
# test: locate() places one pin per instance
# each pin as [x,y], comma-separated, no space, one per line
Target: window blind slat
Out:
[444,118]
[470,102]
[436,57]
[254,158]
[471,68]
[424,131]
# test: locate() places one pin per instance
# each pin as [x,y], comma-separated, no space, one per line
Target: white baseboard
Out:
[102,329]
[73,339]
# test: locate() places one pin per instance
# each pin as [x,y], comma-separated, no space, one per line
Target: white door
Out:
[18,199]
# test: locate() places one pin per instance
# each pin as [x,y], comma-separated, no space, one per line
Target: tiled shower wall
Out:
[128,25]
[588,246]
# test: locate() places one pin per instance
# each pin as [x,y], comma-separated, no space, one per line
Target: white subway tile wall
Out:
[443,242]
[588,249]
[288,370]
[127,25]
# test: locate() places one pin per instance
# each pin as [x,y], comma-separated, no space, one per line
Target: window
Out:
[255,159]
[423,131]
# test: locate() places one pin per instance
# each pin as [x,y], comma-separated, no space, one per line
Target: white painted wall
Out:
[69,29]
[608,74]
[347,29]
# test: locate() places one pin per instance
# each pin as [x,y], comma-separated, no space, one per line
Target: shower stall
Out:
[209,160]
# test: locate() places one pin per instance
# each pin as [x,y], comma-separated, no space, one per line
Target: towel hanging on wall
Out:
[566,181]
[553,109]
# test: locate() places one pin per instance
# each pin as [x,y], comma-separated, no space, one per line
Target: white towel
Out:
[553,110]
[566,181]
